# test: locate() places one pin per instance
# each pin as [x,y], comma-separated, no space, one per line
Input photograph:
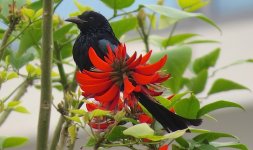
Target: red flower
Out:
[118,72]
[164,147]
[143,118]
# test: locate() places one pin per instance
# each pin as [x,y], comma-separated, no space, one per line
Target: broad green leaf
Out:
[177,39]
[91,142]
[229,145]
[217,105]
[188,107]
[178,60]
[122,26]
[163,101]
[172,135]
[116,133]
[78,111]
[206,61]
[81,7]
[30,69]
[165,22]
[207,147]
[195,130]
[18,62]
[21,109]
[60,33]
[119,115]
[74,118]
[139,130]
[182,142]
[118,4]
[13,104]
[212,136]
[222,85]
[201,42]
[197,83]
[12,75]
[29,38]
[178,15]
[27,12]
[72,133]
[99,113]
[192,5]
[8,142]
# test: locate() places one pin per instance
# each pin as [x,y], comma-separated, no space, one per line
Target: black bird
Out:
[96,32]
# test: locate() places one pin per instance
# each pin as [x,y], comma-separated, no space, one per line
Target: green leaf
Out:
[119,115]
[8,142]
[178,15]
[172,135]
[60,33]
[197,84]
[116,133]
[165,22]
[78,111]
[81,8]
[21,109]
[207,147]
[195,130]
[163,101]
[19,61]
[28,12]
[177,97]
[182,142]
[177,39]
[178,60]
[192,5]
[91,142]
[13,104]
[229,145]
[201,41]
[122,26]
[222,85]
[139,130]
[1,106]
[206,61]
[212,136]
[217,105]
[74,118]
[30,38]
[72,133]
[30,69]
[12,75]
[118,4]
[99,113]
[188,107]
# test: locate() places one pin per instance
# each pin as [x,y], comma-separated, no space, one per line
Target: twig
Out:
[16,89]
[122,14]
[173,29]
[46,85]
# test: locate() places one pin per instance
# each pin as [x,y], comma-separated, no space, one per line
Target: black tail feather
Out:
[169,120]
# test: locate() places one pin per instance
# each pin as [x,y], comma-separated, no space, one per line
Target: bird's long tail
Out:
[169,120]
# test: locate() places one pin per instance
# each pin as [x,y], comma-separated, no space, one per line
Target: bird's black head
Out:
[89,20]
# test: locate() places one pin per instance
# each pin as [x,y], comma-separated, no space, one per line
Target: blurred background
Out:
[236,41]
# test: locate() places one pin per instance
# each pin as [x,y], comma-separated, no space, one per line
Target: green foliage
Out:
[72,133]
[9,142]
[116,133]
[222,85]
[118,4]
[178,60]
[192,5]
[124,25]
[206,61]
[217,105]
[197,84]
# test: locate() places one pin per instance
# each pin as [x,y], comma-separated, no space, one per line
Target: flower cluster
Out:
[118,72]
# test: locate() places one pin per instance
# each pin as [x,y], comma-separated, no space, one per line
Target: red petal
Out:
[96,88]
[101,125]
[143,118]
[142,79]
[108,60]
[123,51]
[97,74]
[164,147]
[131,59]
[146,57]
[110,53]
[98,62]
[154,93]
[150,69]
[137,88]
[161,79]
[91,106]
[172,110]
[170,97]
[114,103]
[84,79]
[128,87]
[135,63]
[109,95]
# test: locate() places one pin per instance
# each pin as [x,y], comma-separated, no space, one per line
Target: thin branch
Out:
[173,29]
[16,89]
[46,85]
[122,14]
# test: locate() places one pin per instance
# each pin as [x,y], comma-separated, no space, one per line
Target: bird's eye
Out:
[91,18]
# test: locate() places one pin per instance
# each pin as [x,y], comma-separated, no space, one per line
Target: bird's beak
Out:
[75,20]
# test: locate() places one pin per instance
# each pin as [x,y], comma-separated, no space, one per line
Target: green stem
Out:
[173,29]
[21,92]
[46,67]
[6,37]
[143,33]
[16,89]
[56,135]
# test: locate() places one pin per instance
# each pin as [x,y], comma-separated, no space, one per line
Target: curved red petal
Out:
[143,118]
[84,79]
[154,93]
[146,57]
[100,75]
[109,95]
[150,69]
[128,87]
[142,79]
[107,60]
[110,53]
[91,106]
[161,79]
[131,59]
[98,62]
[100,125]
[164,147]
[96,88]
[135,63]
